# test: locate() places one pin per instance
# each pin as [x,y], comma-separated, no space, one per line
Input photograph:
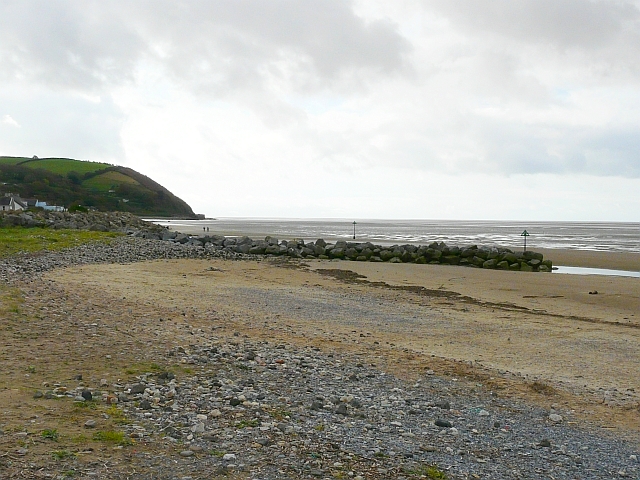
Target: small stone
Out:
[443,405]
[138,388]
[234,402]
[198,428]
[90,424]
[104,383]
[87,395]
[443,423]
[227,457]
[38,394]
[342,409]
[187,453]
[145,405]
[545,443]
[554,417]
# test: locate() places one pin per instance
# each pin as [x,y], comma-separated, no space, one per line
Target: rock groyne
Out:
[435,253]
[438,253]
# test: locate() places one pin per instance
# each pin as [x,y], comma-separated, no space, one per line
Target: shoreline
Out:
[612,260]
[628,261]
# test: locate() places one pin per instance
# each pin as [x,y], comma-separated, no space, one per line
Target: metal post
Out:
[354,230]
[525,234]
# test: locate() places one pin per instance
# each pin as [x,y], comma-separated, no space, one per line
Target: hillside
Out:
[63,181]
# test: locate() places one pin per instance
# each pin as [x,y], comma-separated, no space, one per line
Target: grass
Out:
[247,423]
[51,434]
[10,300]
[279,414]
[143,367]
[62,166]
[12,160]
[112,436]
[86,405]
[430,472]
[105,181]
[62,454]
[117,415]
[30,240]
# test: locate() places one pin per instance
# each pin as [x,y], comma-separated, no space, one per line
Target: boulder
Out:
[492,263]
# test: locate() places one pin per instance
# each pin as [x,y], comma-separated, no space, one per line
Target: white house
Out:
[12,203]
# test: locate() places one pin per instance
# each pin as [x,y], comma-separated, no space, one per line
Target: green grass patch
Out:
[18,239]
[247,423]
[279,414]
[117,416]
[62,454]
[85,405]
[143,367]
[108,181]
[51,434]
[62,166]
[115,437]
[430,472]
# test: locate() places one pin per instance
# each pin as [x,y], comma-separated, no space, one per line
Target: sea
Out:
[596,236]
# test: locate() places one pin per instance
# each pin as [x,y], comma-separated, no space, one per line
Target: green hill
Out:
[63,181]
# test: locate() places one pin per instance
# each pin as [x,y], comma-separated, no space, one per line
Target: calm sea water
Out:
[599,236]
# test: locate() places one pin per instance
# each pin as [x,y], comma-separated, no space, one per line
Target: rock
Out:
[228,457]
[87,395]
[554,417]
[443,423]
[137,388]
[342,409]
[90,424]
[187,453]
[546,443]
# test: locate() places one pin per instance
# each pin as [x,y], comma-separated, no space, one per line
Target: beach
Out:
[567,356]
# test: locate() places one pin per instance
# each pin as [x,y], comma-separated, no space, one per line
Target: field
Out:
[31,240]
[61,166]
[106,181]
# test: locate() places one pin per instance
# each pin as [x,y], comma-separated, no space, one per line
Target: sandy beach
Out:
[530,325]
[540,339]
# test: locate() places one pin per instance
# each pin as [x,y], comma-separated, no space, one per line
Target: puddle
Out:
[595,271]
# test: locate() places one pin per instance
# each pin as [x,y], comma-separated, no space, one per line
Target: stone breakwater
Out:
[435,253]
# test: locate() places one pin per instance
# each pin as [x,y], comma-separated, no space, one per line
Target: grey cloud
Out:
[221,44]
[60,125]
[515,148]
[564,23]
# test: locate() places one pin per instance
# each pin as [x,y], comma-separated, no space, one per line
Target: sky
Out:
[433,109]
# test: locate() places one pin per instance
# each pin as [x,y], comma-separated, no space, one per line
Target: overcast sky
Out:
[435,109]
